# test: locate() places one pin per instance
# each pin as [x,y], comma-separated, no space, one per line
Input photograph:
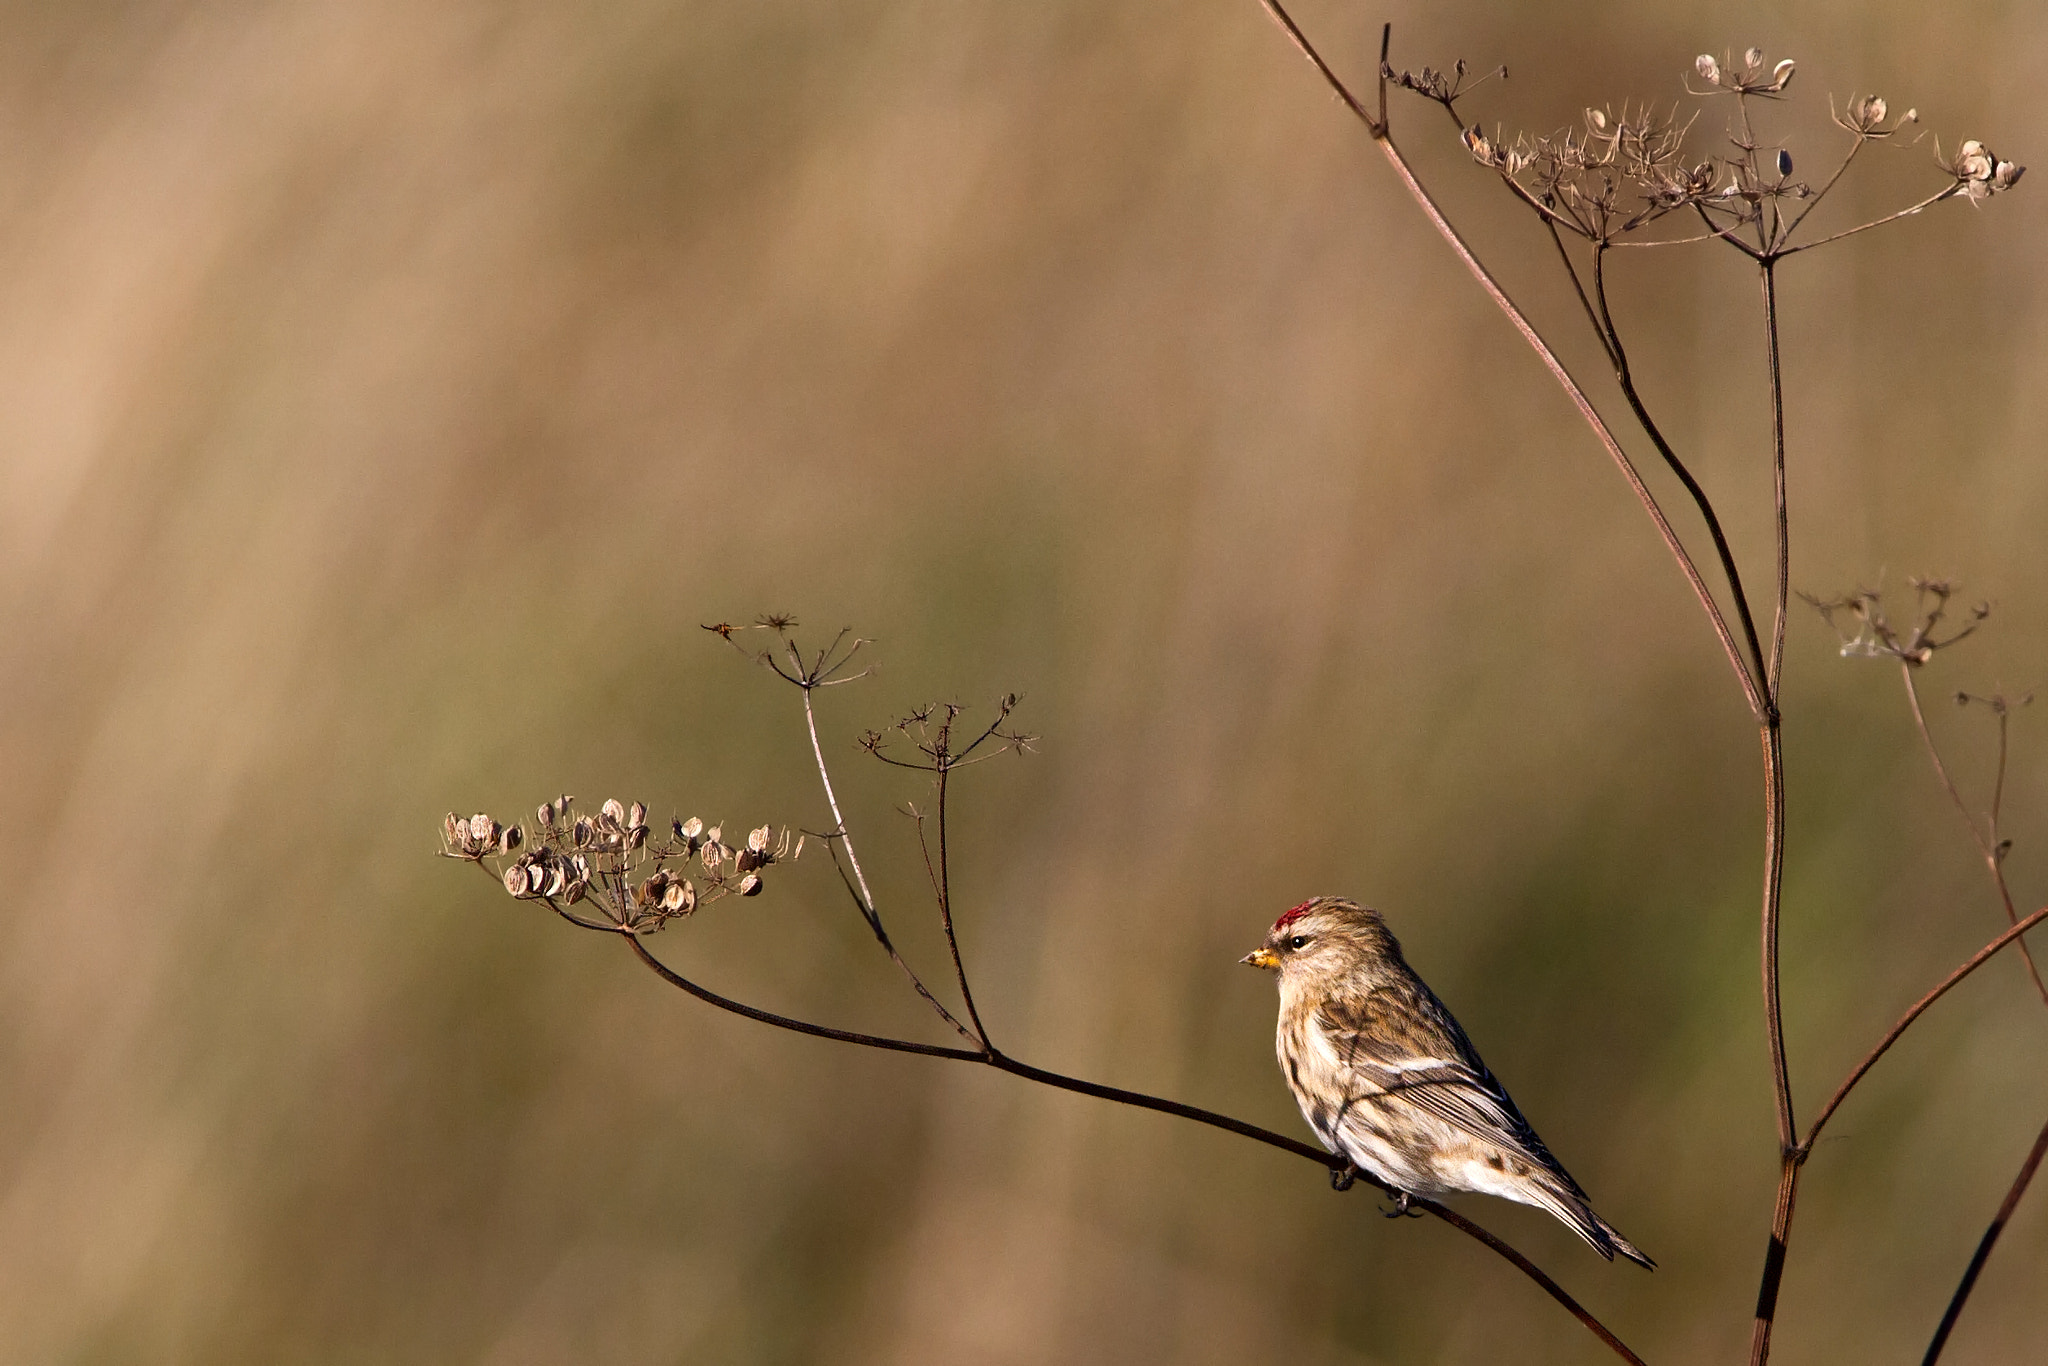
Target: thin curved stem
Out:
[1137,1099]
[1789,1156]
[858,887]
[1751,689]
[1984,1246]
[769,1017]
[1534,1273]
[1927,203]
[1777,369]
[1822,193]
[1987,843]
[1625,377]
[1977,960]
[946,916]
[867,898]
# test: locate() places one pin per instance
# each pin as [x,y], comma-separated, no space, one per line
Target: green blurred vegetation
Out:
[390,391]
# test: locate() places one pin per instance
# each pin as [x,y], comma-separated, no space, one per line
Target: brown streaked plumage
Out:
[1387,1078]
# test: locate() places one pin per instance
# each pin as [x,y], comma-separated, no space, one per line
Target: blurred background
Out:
[388,392]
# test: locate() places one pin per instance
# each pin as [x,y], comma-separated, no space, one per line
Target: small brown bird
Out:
[1388,1080]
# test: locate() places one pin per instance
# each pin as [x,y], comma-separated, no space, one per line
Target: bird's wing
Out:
[1408,1046]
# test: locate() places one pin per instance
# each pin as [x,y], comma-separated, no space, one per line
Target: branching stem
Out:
[1986,841]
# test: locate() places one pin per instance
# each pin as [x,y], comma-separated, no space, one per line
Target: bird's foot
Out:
[1404,1207]
[1342,1177]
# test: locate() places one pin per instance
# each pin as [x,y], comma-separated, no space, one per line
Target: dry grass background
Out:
[388,390]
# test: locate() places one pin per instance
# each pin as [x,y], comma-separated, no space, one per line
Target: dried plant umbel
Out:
[1626,178]
[634,880]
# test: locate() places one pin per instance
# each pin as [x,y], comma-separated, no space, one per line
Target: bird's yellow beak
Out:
[1262,958]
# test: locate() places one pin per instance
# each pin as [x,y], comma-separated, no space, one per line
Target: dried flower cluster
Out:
[1980,173]
[1624,171]
[1872,635]
[1748,79]
[611,860]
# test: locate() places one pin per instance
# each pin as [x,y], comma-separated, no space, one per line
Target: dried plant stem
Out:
[1984,1246]
[1986,841]
[946,915]
[989,1056]
[1795,1156]
[1769,271]
[1751,689]
[1949,193]
[1790,1157]
[1919,1007]
[1603,323]
[867,898]
[863,898]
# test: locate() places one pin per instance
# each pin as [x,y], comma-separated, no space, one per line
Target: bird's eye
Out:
[1300,941]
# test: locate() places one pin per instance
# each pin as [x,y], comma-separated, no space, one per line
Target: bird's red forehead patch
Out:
[1297,913]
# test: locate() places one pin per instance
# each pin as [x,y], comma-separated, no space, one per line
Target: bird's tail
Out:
[1604,1238]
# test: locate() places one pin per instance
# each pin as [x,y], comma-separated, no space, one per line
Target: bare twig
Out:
[1949,193]
[1987,843]
[1883,1045]
[1984,1246]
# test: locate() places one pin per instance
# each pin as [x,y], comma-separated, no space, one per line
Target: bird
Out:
[1387,1079]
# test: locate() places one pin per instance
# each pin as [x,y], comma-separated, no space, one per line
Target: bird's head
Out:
[1327,935]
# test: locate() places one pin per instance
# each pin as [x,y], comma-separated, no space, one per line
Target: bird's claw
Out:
[1404,1207]
[1342,1177]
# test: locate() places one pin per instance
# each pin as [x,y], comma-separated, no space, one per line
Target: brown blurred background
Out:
[388,391]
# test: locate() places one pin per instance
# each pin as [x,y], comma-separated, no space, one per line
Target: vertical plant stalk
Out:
[1984,1246]
[1777,370]
[843,837]
[1791,1155]
[945,889]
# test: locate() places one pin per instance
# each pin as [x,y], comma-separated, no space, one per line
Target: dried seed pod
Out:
[515,879]
[557,879]
[1784,162]
[749,860]
[586,833]
[1754,57]
[690,829]
[678,897]
[711,836]
[1781,74]
[509,839]
[635,837]
[614,812]
[750,885]
[1709,69]
[637,816]
[757,839]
